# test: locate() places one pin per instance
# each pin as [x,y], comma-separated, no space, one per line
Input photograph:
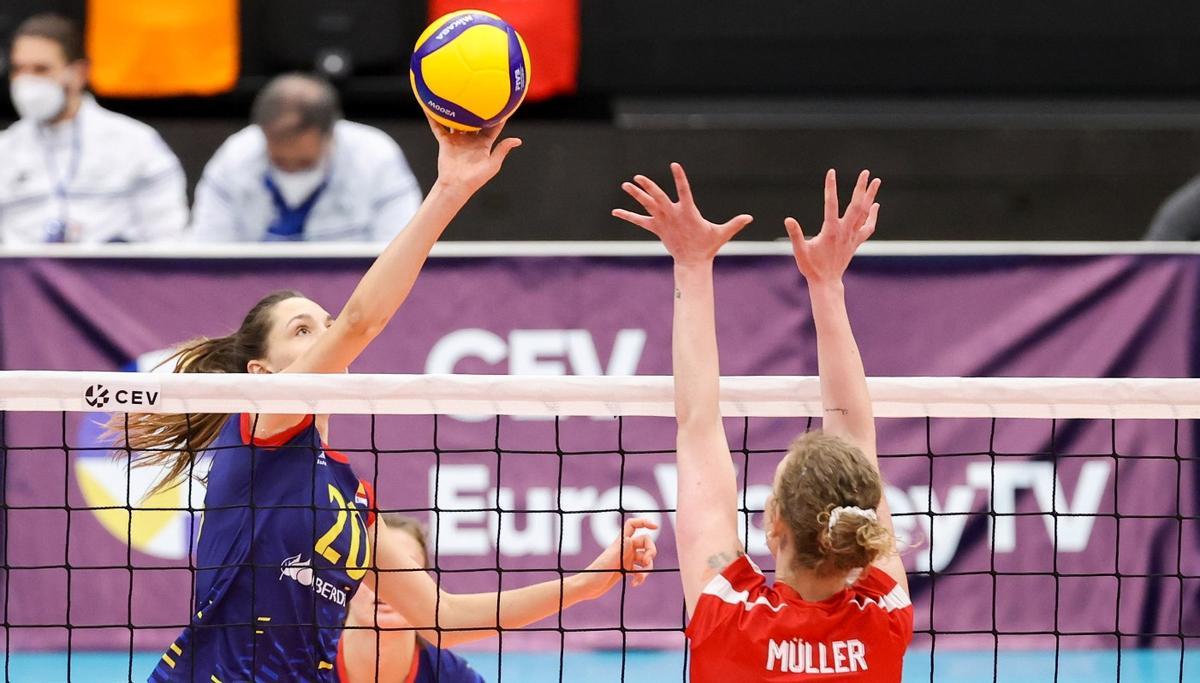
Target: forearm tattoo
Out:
[723,560]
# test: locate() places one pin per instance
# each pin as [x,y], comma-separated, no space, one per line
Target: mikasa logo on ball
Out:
[453,25]
[440,109]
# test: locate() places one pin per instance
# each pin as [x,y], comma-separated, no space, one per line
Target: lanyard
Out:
[289,222]
[56,229]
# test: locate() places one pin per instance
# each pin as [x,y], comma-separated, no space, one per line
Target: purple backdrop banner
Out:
[1125,528]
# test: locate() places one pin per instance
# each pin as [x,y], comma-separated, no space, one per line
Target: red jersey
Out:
[746,630]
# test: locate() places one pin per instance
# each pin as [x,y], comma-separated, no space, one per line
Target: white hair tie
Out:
[836,514]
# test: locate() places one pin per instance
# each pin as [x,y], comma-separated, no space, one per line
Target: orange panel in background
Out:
[551,32]
[162,48]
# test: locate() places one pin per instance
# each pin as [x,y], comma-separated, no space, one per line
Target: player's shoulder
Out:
[240,430]
[230,433]
[875,586]
[230,471]
[743,573]
[302,432]
[739,605]
[742,584]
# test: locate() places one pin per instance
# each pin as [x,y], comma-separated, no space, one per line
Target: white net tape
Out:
[1066,398]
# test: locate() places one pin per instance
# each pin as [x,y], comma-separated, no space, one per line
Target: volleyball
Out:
[470,70]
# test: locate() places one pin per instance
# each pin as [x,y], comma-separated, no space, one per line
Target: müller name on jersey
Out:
[801,657]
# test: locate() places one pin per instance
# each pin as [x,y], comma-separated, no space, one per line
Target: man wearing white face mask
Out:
[301,173]
[72,171]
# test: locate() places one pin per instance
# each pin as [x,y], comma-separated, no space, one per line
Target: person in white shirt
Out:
[301,173]
[70,170]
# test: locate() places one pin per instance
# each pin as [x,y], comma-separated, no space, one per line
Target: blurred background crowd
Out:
[227,121]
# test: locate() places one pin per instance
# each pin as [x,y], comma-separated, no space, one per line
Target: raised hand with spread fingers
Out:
[688,236]
[826,256]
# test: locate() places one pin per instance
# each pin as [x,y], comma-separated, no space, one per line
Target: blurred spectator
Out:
[1178,219]
[300,172]
[72,171]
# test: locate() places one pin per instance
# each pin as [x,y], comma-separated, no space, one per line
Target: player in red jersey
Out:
[839,608]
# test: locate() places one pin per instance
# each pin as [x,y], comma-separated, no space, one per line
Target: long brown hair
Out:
[823,472]
[172,441]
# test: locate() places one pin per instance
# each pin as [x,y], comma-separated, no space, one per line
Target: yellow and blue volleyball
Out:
[470,70]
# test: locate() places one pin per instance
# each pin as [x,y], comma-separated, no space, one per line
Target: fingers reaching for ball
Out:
[467,161]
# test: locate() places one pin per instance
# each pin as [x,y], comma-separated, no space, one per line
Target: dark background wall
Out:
[873,46]
[1017,120]
[939,183]
[666,47]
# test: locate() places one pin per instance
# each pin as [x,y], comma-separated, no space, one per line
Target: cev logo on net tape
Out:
[100,397]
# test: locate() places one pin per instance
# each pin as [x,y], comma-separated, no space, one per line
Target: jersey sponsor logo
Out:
[300,570]
[798,656]
[297,569]
[330,592]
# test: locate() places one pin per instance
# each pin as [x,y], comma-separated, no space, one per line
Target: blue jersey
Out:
[282,549]
[430,665]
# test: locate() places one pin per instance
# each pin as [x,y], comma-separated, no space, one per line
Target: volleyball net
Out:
[1054,517]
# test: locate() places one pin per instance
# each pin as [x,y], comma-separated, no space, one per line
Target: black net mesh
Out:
[1050,549]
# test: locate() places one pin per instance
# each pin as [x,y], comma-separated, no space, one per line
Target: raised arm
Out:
[823,260]
[706,535]
[402,582]
[466,161]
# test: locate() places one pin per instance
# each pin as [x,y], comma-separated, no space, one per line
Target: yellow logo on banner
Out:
[161,524]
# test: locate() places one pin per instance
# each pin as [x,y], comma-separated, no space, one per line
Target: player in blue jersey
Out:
[380,646]
[288,533]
